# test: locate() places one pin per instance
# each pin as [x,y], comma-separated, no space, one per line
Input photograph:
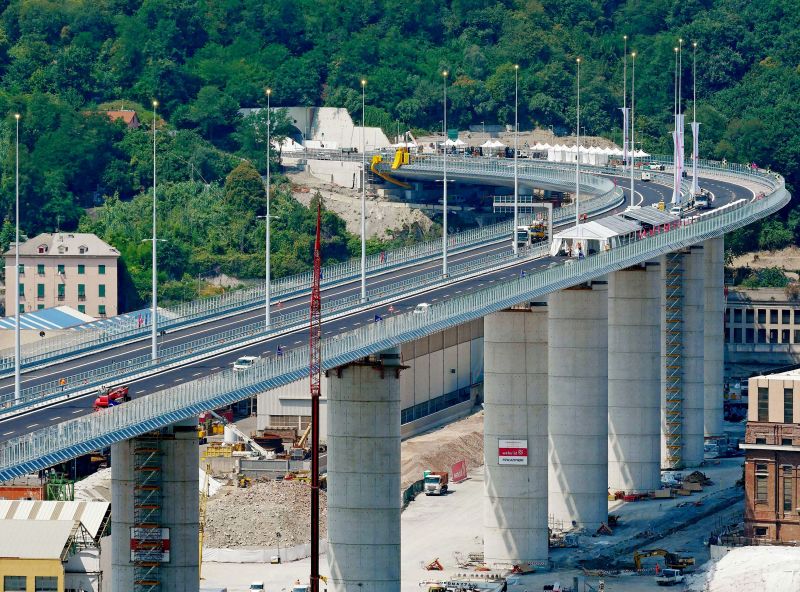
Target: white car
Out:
[244,363]
[676,210]
[421,308]
[646,176]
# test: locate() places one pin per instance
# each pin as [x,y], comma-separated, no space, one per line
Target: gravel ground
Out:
[250,517]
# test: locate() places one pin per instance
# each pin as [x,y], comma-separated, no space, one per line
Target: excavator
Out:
[671,560]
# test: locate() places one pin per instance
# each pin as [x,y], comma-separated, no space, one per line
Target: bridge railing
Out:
[102,334]
[65,440]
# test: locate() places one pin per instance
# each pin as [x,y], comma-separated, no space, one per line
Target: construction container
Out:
[662,493]
[693,486]
[229,436]
[219,450]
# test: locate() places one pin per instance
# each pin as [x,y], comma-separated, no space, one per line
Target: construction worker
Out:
[62,383]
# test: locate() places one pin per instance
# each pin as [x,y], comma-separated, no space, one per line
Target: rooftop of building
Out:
[738,294]
[126,115]
[92,515]
[60,317]
[65,244]
[35,539]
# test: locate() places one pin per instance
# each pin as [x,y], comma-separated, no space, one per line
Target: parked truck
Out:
[435,482]
[670,577]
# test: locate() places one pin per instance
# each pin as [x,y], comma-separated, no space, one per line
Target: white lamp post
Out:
[17,349]
[154,321]
[363,195]
[444,178]
[578,150]
[633,98]
[695,125]
[516,177]
[267,245]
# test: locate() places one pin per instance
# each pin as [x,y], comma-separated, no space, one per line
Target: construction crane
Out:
[315,376]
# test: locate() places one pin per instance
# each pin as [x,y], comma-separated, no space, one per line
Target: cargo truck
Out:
[435,482]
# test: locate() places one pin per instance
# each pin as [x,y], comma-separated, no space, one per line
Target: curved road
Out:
[649,193]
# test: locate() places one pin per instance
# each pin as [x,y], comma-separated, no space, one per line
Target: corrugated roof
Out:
[34,539]
[90,514]
[620,225]
[650,216]
[66,244]
[60,317]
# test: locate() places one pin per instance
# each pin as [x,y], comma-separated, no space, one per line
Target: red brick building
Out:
[772,458]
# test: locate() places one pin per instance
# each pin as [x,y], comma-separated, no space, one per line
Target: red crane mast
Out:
[315,372]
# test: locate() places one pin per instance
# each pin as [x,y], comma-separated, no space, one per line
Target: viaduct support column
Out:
[713,335]
[634,387]
[578,405]
[155,501]
[364,475]
[515,403]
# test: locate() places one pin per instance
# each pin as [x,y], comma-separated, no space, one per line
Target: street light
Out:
[363,195]
[17,349]
[268,279]
[578,150]
[633,97]
[444,178]
[695,125]
[516,177]
[154,322]
[625,104]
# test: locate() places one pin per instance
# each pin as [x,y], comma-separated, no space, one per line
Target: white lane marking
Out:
[139,392]
[354,325]
[458,291]
[8,433]
[33,425]
[178,379]
[57,417]
[159,385]
[199,373]
[78,411]
[296,342]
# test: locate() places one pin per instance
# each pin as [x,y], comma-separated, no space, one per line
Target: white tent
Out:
[405,145]
[640,154]
[458,142]
[594,236]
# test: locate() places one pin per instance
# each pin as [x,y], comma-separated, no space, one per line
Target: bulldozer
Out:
[671,560]
[244,482]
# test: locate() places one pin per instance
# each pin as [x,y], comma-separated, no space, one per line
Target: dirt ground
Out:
[382,215]
[788,259]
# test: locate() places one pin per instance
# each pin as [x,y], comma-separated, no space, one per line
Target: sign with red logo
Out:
[150,544]
[512,452]
[459,471]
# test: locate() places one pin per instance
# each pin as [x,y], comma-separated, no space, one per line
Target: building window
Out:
[40,307]
[785,338]
[761,440]
[761,531]
[763,404]
[101,310]
[82,308]
[81,269]
[22,290]
[737,315]
[40,268]
[21,308]
[762,335]
[762,316]
[737,335]
[101,289]
[22,269]
[773,336]
[101,269]
[61,269]
[46,584]
[40,291]
[750,335]
[797,316]
[788,405]
[797,336]
[82,249]
[61,289]
[786,441]
[42,249]
[773,317]
[81,292]
[788,489]
[749,316]
[785,317]
[761,483]
[15,583]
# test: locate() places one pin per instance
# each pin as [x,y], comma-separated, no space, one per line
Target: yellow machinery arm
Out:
[377,159]
[304,437]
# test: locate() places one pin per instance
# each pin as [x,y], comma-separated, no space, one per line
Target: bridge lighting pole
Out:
[17,349]
[444,178]
[267,270]
[578,151]
[676,190]
[154,321]
[695,125]
[516,176]
[625,105]
[363,195]
[633,144]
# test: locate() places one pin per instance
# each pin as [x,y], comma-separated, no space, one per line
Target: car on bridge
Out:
[110,397]
[244,363]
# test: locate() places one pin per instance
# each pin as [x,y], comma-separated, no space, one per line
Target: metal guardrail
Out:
[106,335]
[68,439]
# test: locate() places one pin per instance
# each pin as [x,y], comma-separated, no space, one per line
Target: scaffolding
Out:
[673,359]
[147,548]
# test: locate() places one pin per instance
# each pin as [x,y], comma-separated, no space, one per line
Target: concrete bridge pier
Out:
[364,474]
[578,405]
[713,334]
[634,386]
[155,501]
[515,403]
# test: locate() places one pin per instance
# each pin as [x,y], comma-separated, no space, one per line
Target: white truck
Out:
[702,201]
[435,482]
[670,577]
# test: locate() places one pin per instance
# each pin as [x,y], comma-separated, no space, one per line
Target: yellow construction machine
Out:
[671,560]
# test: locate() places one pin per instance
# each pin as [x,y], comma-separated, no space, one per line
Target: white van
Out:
[646,176]
[422,308]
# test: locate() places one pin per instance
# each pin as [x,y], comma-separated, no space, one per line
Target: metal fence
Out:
[102,334]
[68,439]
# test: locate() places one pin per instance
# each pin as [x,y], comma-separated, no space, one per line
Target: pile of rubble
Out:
[252,517]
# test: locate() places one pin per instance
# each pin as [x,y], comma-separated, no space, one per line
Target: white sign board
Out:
[512,452]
